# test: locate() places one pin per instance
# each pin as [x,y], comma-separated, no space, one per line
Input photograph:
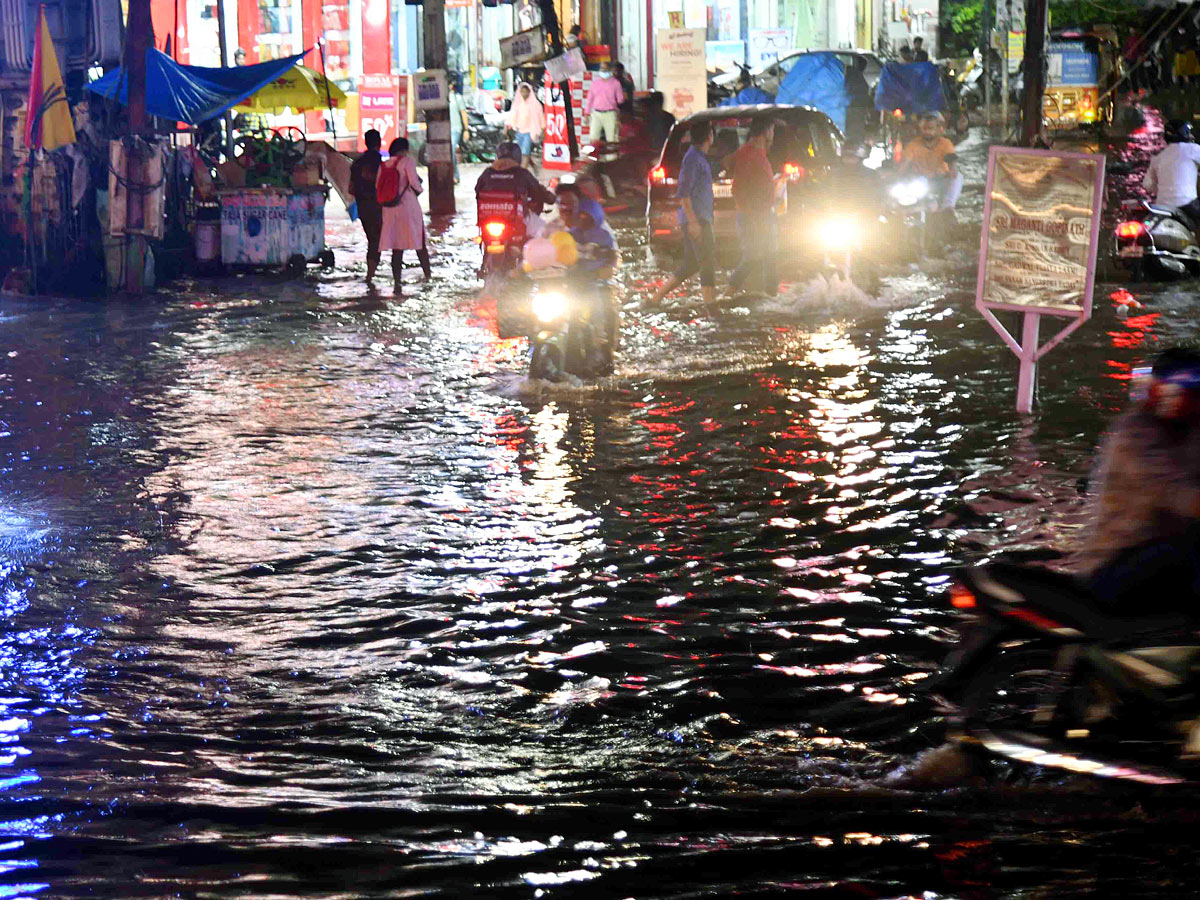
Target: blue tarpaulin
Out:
[751,96]
[817,80]
[192,94]
[911,87]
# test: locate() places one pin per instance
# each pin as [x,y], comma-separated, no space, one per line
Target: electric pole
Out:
[438,146]
[139,38]
[988,19]
[1035,71]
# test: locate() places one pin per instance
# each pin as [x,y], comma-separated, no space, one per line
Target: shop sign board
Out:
[1037,254]
[268,227]
[767,45]
[680,73]
[1071,65]
[523,47]
[381,106]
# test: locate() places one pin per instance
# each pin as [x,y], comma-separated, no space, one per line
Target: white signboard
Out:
[768,45]
[522,47]
[681,74]
[429,88]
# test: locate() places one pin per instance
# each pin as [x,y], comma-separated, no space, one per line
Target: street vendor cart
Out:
[273,226]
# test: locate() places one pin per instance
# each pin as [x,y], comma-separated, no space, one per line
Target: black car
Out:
[806,147]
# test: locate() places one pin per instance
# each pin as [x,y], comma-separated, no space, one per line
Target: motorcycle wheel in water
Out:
[1042,675]
[1155,241]
[845,240]
[572,334]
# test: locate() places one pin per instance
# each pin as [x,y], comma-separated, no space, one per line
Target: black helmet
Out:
[508,150]
[1178,131]
[1170,389]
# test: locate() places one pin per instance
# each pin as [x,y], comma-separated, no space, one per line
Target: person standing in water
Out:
[363,175]
[526,120]
[397,189]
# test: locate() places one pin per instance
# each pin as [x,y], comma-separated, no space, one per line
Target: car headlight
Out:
[549,306]
[838,233]
[907,193]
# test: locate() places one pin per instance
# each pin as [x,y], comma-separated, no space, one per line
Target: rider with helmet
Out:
[1172,174]
[506,176]
[1144,544]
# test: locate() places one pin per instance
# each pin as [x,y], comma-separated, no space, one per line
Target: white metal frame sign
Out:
[1037,252]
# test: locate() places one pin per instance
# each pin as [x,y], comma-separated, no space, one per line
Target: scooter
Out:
[480,139]
[1156,241]
[1042,676]
[574,330]
[502,233]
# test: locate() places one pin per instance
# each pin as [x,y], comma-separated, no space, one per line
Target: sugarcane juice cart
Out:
[272,196]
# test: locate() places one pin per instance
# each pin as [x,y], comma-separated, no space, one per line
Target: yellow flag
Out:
[48,121]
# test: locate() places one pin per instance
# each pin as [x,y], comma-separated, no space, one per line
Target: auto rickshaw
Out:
[1084,65]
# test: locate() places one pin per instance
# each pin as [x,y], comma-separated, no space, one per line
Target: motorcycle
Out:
[574,330]
[1156,240]
[501,220]
[845,240]
[1043,676]
[480,139]
[910,201]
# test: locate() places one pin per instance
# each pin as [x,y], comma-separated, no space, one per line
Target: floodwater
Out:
[307,593]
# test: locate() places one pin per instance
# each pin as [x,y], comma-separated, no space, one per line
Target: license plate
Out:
[1134,251]
[722,191]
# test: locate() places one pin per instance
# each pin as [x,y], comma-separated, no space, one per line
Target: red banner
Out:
[382,106]
[556,152]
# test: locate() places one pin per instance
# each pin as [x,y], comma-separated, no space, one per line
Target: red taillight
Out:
[1130,230]
[897,113]
[658,175]
[961,597]
[793,171]
[495,230]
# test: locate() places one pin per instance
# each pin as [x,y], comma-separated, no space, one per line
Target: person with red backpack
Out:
[396,189]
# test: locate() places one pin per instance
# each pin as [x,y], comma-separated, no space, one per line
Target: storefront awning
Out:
[192,94]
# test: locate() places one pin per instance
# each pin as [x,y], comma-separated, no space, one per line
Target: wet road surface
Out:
[309,594]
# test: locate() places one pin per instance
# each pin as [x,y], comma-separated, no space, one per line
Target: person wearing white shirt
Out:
[1172,174]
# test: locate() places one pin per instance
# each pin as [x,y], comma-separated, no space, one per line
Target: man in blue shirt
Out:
[695,194]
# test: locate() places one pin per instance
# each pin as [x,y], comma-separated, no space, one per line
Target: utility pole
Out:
[437,121]
[139,38]
[987,20]
[223,50]
[1036,15]
[554,32]
[1004,70]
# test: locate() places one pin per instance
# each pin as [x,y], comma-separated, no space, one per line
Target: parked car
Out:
[806,147]
[769,75]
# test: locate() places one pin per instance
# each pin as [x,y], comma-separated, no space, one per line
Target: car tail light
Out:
[495,230]
[793,171]
[658,175]
[1130,231]
[962,598]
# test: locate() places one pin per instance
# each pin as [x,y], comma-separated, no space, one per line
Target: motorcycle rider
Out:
[1172,174]
[931,155]
[506,175]
[1144,544]
[597,262]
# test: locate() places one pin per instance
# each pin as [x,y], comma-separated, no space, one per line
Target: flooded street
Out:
[308,593]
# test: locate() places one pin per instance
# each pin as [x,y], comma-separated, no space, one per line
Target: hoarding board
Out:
[768,45]
[523,47]
[681,74]
[1072,65]
[724,55]
[380,107]
[1037,252]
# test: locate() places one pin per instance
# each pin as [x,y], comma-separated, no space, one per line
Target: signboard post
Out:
[681,74]
[1037,253]
[523,47]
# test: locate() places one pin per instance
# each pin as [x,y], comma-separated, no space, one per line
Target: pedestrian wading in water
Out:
[397,189]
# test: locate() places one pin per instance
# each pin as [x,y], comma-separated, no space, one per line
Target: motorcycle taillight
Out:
[961,597]
[1130,231]
[494,230]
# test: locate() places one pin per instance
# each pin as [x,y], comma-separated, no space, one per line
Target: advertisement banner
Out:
[681,74]
[379,108]
[1072,65]
[767,45]
[556,151]
[724,55]
[1037,253]
[522,47]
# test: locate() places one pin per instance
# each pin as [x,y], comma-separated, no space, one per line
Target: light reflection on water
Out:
[304,599]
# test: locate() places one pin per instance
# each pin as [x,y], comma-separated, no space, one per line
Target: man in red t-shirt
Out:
[754,196]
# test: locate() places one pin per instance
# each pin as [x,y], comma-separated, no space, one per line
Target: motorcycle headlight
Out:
[838,233]
[549,306]
[908,193]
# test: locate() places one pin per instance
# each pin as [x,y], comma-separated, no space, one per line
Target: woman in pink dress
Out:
[404,223]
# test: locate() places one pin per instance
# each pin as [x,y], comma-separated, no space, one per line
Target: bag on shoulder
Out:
[387,187]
